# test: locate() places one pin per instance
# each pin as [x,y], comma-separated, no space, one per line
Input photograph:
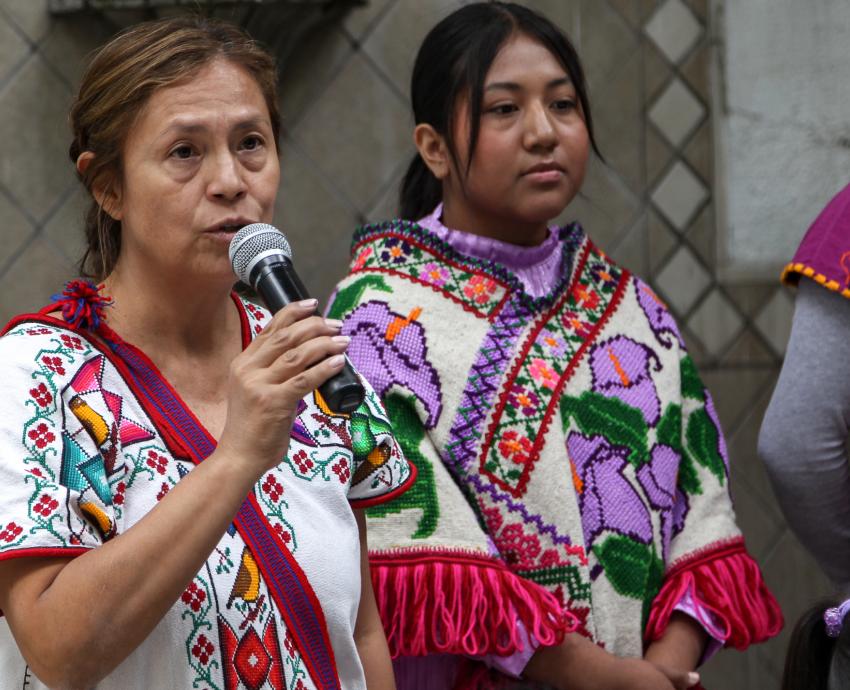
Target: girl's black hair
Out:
[453,60]
[816,661]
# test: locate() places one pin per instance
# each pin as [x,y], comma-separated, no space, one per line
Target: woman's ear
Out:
[106,196]
[433,149]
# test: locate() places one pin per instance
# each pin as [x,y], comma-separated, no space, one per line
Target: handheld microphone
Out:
[262,258]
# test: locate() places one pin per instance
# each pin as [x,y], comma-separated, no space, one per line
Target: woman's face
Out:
[533,145]
[199,163]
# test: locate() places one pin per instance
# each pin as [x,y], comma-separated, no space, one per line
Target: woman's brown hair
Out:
[117,83]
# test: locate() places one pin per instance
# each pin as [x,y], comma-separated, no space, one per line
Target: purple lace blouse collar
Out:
[538,268]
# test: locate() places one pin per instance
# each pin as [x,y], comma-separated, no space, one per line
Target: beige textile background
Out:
[346,143]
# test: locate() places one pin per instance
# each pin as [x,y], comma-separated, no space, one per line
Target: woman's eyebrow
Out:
[195,126]
[513,86]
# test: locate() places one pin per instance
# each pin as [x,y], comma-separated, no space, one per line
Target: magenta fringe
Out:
[727,582]
[461,604]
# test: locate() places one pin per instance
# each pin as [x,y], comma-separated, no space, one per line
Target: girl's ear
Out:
[433,149]
[107,196]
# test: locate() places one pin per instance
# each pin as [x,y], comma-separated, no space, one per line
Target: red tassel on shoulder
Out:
[727,582]
[457,603]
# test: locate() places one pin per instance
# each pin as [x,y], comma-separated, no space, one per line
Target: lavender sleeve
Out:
[804,434]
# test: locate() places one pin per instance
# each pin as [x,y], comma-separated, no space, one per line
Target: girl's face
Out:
[532,149]
[199,163]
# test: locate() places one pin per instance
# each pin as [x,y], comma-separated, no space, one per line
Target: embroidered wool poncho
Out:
[572,472]
[93,436]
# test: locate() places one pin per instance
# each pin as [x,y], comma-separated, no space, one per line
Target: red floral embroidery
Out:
[54,364]
[572,321]
[340,469]
[289,643]
[38,331]
[518,548]
[194,597]
[283,533]
[45,505]
[11,532]
[41,435]
[258,329]
[361,259]
[118,499]
[35,472]
[164,489]
[254,310]
[71,342]
[41,395]
[480,289]
[203,649]
[157,462]
[300,685]
[585,297]
[303,461]
[515,447]
[272,487]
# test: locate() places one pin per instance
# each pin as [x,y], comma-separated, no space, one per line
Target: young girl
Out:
[573,480]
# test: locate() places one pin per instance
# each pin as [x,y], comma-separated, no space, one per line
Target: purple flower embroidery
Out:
[434,274]
[521,399]
[622,369]
[390,350]
[395,250]
[552,344]
[607,500]
[658,479]
[660,319]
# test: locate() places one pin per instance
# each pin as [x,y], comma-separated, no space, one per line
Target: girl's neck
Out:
[478,222]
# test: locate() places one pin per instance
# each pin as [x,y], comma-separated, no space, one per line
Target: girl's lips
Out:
[545,176]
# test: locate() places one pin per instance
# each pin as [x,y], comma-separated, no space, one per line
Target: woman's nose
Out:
[539,129]
[226,177]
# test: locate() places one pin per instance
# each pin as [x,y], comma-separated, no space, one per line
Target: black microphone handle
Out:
[275,279]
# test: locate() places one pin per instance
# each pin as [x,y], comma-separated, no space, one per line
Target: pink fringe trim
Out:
[727,582]
[461,604]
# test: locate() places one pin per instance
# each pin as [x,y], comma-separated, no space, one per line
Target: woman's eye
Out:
[564,104]
[252,143]
[183,152]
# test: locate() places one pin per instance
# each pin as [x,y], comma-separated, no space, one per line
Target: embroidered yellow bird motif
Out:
[247,584]
[92,422]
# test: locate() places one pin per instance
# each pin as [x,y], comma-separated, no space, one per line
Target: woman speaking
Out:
[175,498]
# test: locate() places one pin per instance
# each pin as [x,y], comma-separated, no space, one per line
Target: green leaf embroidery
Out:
[410,433]
[688,479]
[691,383]
[703,443]
[347,298]
[670,427]
[632,568]
[619,423]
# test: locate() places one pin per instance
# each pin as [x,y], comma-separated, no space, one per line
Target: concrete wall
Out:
[783,116]
[652,206]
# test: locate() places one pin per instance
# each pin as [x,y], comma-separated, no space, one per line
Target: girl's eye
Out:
[564,104]
[183,152]
[252,143]
[503,109]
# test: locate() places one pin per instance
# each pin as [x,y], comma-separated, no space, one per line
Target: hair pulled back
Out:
[453,61]
[115,87]
[816,661]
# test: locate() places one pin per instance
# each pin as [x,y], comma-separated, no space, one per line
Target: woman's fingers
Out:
[302,383]
[291,326]
[295,360]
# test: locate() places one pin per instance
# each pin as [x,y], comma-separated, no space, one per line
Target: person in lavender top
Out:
[571,525]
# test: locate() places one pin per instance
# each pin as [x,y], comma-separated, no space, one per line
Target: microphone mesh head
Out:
[254,242]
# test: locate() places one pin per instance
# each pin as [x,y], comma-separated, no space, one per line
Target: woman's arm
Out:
[803,436]
[75,620]
[368,631]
